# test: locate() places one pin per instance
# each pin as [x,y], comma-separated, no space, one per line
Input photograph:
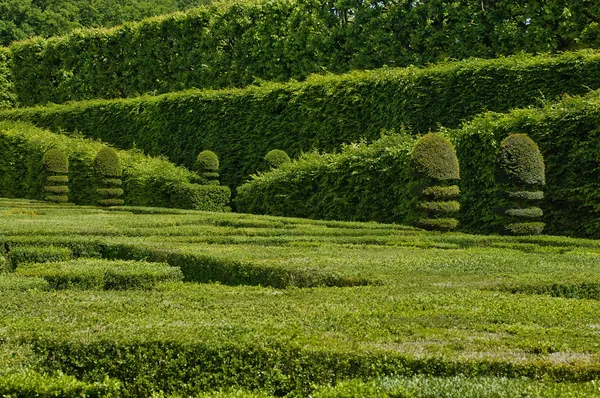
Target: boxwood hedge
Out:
[146,181]
[233,43]
[322,113]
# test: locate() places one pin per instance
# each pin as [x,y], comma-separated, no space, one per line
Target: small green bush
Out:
[107,163]
[276,158]
[520,161]
[55,161]
[108,168]
[434,164]
[207,164]
[434,158]
[520,168]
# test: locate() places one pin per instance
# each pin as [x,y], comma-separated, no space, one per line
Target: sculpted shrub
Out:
[436,168]
[520,173]
[276,157]
[207,164]
[55,170]
[107,168]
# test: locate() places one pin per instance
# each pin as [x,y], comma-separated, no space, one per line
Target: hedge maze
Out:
[244,200]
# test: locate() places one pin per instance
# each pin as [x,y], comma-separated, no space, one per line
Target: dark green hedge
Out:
[242,125]
[7,93]
[146,181]
[369,182]
[235,43]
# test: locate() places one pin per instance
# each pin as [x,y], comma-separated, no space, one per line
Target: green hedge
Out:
[101,274]
[369,182]
[33,384]
[7,94]
[146,181]
[235,43]
[240,126]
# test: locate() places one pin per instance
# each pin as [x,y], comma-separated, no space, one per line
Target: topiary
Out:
[55,169]
[207,164]
[107,168]
[276,157]
[520,173]
[435,165]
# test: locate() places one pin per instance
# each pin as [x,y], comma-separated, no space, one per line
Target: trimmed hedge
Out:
[7,95]
[56,164]
[146,181]
[368,182]
[108,170]
[102,274]
[38,254]
[234,43]
[207,165]
[321,113]
[276,157]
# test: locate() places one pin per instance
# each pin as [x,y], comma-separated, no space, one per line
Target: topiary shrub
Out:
[207,164]
[108,170]
[435,167]
[520,173]
[55,170]
[276,157]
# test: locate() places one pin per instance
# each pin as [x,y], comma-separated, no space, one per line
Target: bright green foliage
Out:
[107,163]
[453,315]
[7,95]
[520,161]
[107,168]
[525,228]
[231,44]
[568,137]
[146,181]
[38,254]
[434,158]
[207,165]
[363,182]
[276,157]
[56,164]
[434,164]
[321,113]
[521,169]
[101,274]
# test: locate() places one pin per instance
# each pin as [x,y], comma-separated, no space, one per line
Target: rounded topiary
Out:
[520,161]
[207,164]
[276,158]
[107,163]
[520,172]
[107,168]
[435,166]
[434,158]
[56,168]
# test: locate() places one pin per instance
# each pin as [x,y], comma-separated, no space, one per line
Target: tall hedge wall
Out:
[231,44]
[146,181]
[240,126]
[7,94]
[370,182]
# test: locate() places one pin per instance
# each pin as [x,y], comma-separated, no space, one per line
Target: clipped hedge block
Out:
[441,192]
[38,254]
[437,224]
[276,157]
[55,165]
[441,207]
[525,228]
[102,274]
[528,212]
[200,197]
[525,195]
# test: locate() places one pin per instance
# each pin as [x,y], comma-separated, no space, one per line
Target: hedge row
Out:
[7,95]
[146,181]
[234,44]
[242,125]
[369,182]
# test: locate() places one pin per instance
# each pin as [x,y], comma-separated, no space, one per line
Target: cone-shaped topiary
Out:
[207,164]
[276,157]
[56,168]
[435,166]
[520,173]
[107,168]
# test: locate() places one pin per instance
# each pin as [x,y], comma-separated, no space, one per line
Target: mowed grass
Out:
[273,306]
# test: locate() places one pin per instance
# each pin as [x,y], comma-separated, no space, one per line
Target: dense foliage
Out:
[146,181]
[242,125]
[20,19]
[207,165]
[235,43]
[455,294]
[369,183]
[54,173]
[276,157]
[108,172]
